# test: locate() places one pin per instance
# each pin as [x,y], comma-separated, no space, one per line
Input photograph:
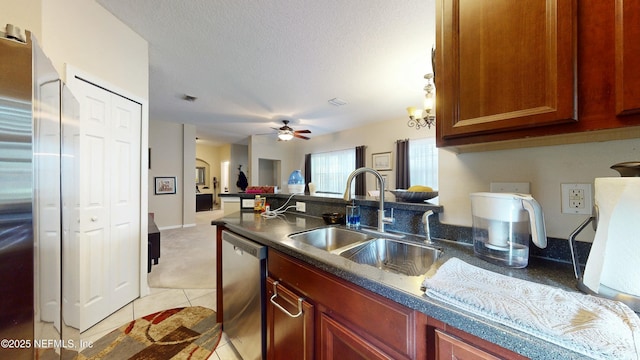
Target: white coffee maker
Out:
[502,223]
[612,268]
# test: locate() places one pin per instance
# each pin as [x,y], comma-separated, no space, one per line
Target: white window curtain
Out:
[330,170]
[423,162]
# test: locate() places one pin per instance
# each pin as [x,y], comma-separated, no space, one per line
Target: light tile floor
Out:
[161,299]
[157,300]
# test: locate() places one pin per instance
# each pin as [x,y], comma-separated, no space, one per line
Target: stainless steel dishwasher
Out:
[244,268]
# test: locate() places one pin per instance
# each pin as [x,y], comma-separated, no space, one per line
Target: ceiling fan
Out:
[286,133]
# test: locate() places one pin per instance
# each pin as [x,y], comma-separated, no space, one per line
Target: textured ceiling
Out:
[252,63]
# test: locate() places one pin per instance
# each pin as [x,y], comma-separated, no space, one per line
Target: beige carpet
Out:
[187,256]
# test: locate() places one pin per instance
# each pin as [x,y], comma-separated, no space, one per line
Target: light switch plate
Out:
[577,199]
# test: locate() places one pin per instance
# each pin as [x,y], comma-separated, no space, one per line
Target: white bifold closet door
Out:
[109,237]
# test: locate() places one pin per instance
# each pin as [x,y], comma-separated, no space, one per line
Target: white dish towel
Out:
[592,326]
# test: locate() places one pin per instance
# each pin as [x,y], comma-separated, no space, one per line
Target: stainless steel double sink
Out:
[392,255]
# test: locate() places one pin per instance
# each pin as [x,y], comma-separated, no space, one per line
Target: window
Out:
[423,162]
[330,170]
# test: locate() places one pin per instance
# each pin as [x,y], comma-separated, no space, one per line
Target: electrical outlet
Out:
[300,206]
[577,199]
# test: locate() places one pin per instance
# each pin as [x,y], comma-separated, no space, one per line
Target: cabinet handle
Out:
[275,295]
[433,62]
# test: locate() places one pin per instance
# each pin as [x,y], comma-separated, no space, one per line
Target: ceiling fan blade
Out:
[302,131]
[300,136]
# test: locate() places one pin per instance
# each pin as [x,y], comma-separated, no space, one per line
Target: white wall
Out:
[167,159]
[188,168]
[378,137]
[85,35]
[238,156]
[25,14]
[459,175]
[173,153]
[267,147]
[544,167]
[211,155]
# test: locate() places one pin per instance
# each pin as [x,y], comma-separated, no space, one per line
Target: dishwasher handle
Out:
[245,245]
[273,301]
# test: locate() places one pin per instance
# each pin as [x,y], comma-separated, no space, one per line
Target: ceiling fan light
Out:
[285,135]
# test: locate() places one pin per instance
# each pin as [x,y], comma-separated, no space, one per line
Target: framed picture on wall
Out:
[165,185]
[385,181]
[381,161]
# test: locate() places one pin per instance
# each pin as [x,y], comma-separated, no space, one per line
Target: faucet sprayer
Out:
[427,231]
[347,195]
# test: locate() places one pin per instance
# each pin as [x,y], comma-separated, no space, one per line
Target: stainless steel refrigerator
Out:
[33,216]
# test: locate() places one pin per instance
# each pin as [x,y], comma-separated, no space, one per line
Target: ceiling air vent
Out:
[337,102]
[189,98]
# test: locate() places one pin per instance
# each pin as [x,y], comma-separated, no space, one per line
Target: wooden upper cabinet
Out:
[627,50]
[504,65]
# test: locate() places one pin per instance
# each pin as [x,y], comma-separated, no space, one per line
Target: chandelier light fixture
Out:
[424,118]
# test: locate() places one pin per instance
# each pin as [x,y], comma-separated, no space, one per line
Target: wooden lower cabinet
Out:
[449,347]
[340,320]
[338,342]
[290,324]
[349,322]
[447,342]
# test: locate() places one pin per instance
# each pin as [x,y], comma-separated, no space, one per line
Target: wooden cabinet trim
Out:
[627,50]
[435,326]
[334,333]
[449,347]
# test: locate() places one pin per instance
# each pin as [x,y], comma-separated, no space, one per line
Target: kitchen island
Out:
[405,290]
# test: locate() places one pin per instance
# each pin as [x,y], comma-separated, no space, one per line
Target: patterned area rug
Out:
[181,333]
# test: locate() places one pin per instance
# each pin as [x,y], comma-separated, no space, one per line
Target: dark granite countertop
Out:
[404,289]
[331,198]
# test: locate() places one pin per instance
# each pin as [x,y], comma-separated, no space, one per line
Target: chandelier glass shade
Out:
[420,118]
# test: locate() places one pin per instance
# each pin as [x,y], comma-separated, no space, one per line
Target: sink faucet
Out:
[427,231]
[347,195]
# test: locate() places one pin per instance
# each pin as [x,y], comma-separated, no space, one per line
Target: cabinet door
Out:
[288,337]
[627,51]
[339,342]
[383,322]
[448,348]
[504,65]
